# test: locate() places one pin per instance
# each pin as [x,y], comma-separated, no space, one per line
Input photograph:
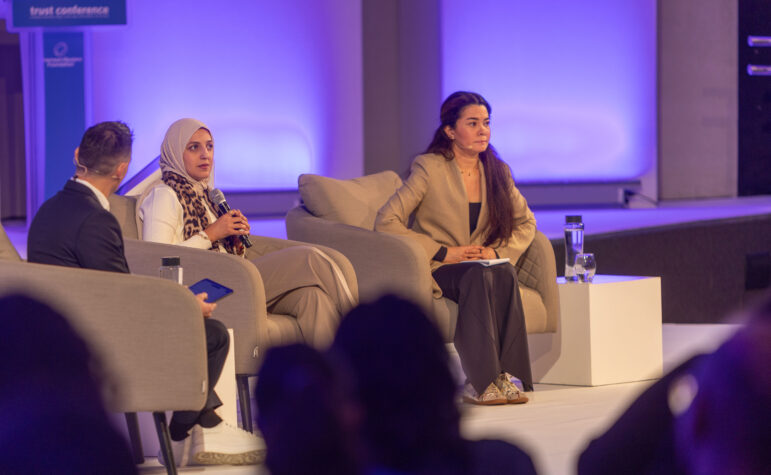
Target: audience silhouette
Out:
[53,418]
[306,414]
[411,421]
[726,428]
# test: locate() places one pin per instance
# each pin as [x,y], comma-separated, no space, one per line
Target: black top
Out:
[73,229]
[473,216]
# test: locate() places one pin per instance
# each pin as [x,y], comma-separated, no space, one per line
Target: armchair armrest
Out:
[244,310]
[147,333]
[383,262]
[537,269]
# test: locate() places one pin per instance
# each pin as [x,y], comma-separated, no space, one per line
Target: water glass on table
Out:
[586,267]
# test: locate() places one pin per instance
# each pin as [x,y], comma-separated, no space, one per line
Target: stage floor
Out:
[550,221]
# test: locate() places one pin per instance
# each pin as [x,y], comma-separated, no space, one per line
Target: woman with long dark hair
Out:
[466,208]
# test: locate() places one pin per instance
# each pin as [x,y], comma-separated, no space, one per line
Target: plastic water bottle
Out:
[171,269]
[574,245]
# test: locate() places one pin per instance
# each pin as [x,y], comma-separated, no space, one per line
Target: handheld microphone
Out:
[218,198]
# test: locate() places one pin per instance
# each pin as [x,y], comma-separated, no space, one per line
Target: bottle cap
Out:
[573,218]
[170,261]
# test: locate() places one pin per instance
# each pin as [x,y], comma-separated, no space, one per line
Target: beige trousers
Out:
[303,282]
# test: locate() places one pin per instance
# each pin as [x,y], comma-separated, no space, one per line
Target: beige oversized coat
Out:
[435,191]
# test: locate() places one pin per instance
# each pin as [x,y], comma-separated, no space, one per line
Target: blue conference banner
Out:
[65,113]
[56,13]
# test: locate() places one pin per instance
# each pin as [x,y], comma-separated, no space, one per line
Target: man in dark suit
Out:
[76,229]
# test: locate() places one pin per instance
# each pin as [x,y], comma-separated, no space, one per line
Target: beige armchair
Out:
[245,310]
[341,214]
[147,333]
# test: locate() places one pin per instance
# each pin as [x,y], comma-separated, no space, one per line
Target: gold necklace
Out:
[468,171]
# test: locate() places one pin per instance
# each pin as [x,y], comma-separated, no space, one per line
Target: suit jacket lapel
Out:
[459,234]
[478,236]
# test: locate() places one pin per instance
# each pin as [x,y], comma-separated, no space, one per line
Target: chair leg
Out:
[165,439]
[132,422]
[245,401]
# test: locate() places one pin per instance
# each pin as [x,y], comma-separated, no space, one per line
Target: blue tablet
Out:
[214,290]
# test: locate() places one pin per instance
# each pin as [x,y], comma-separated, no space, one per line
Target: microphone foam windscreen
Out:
[216,196]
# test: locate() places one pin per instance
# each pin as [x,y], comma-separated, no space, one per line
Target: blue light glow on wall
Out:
[279,83]
[572,84]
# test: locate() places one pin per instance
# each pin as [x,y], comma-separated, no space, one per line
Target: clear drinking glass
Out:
[586,267]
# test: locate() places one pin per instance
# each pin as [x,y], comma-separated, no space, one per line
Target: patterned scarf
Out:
[194,209]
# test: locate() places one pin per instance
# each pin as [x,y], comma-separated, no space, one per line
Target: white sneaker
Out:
[226,445]
[181,451]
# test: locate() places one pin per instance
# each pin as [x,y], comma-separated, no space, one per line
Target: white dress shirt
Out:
[99,195]
[163,219]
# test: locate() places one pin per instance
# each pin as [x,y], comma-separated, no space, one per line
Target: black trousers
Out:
[217,345]
[490,336]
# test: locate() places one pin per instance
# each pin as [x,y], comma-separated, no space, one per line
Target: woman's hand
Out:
[462,253]
[206,308]
[488,253]
[468,253]
[232,223]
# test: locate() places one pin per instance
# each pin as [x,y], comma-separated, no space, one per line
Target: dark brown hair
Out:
[500,224]
[104,146]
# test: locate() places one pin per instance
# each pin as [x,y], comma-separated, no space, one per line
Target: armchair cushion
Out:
[124,210]
[354,202]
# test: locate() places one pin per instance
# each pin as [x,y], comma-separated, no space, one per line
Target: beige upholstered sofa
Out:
[341,214]
[245,310]
[147,332]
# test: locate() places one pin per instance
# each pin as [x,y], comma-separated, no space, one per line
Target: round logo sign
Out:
[60,49]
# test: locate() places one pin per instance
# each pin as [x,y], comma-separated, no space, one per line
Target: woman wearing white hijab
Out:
[300,281]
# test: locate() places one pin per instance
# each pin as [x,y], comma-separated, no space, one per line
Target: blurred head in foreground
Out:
[305,413]
[50,400]
[726,426]
[404,383]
